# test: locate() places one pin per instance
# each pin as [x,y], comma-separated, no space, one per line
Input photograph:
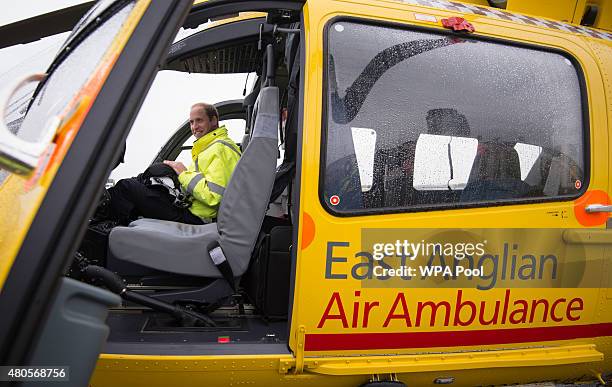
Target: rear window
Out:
[417,120]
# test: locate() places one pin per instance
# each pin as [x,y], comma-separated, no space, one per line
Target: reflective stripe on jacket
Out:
[214,156]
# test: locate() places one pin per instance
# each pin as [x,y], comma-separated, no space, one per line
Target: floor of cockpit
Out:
[145,332]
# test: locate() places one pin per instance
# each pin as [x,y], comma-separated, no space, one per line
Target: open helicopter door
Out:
[54,164]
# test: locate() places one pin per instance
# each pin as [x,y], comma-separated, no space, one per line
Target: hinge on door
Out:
[295,365]
[299,350]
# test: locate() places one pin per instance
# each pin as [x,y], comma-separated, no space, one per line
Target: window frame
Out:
[586,126]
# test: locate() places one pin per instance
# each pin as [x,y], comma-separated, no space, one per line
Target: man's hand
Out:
[176,165]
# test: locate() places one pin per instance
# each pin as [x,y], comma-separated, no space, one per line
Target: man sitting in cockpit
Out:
[171,191]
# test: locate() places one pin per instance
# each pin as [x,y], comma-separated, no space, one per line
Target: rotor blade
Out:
[41,26]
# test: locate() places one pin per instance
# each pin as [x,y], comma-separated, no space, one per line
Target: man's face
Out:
[199,122]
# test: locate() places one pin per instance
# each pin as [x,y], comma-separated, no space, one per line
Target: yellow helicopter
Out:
[439,213]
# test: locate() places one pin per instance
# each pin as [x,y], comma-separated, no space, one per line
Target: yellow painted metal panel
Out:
[554,9]
[604,17]
[458,361]
[604,13]
[270,370]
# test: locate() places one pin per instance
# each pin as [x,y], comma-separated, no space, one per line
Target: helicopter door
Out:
[416,187]
[53,165]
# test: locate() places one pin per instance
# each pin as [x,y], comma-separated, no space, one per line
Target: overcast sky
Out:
[165,108]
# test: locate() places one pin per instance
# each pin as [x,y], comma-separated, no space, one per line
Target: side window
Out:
[420,120]
[235,130]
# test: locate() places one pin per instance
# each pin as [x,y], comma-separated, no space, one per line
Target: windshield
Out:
[88,18]
[20,60]
[93,19]
[68,77]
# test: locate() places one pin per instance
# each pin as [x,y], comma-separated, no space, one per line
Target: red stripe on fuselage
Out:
[365,341]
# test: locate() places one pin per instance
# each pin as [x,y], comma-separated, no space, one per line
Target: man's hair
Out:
[210,110]
[448,122]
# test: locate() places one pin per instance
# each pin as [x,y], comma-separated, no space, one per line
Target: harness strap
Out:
[220,261]
[180,200]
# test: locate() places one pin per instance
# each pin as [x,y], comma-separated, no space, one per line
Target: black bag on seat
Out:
[267,283]
[162,176]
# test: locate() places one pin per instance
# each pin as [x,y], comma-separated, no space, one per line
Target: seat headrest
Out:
[495,161]
[266,109]
[447,122]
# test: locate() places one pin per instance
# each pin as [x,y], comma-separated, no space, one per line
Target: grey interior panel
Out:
[75,330]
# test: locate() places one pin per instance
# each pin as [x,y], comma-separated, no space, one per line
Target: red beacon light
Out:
[458,24]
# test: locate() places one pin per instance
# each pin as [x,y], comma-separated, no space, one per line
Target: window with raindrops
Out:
[419,120]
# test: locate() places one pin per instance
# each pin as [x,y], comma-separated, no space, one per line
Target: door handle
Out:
[594,208]
[587,237]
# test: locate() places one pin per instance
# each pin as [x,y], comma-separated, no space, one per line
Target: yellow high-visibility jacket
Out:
[214,156]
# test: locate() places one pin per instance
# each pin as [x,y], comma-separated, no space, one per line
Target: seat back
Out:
[496,174]
[249,104]
[247,194]
[495,161]
[285,173]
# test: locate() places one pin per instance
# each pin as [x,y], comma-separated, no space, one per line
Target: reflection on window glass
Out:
[93,12]
[21,60]
[454,121]
[443,162]
[528,155]
[365,142]
[17,107]
[67,79]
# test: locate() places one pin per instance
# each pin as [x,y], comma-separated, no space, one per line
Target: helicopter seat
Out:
[196,250]
[495,174]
